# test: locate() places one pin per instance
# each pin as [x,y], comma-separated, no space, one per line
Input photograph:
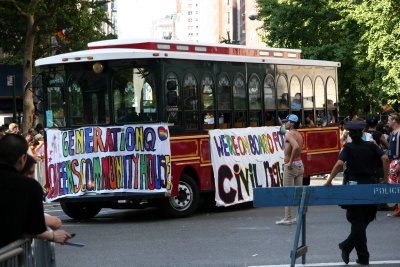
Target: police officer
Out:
[361,160]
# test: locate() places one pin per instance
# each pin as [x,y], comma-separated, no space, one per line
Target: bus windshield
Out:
[91,93]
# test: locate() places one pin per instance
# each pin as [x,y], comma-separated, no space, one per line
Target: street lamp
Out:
[253,17]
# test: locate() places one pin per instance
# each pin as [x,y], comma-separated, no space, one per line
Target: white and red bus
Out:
[191,88]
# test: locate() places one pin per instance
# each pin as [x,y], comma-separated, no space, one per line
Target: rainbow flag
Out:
[387,108]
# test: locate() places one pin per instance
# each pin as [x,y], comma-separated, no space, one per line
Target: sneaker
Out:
[395,213]
[284,222]
[294,220]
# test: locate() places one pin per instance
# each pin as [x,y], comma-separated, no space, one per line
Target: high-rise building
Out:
[250,29]
[212,21]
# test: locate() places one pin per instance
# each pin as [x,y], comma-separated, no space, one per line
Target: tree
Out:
[341,31]
[30,26]
[381,23]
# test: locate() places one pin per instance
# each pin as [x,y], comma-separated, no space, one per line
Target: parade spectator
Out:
[283,101]
[361,160]
[29,171]
[39,129]
[293,168]
[36,145]
[308,121]
[13,128]
[394,154]
[21,197]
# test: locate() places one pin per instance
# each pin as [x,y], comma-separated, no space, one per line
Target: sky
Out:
[135,17]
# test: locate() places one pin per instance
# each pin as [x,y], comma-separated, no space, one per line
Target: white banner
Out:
[129,158]
[243,159]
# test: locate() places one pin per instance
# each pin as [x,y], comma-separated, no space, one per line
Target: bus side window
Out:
[283,93]
[239,101]
[207,105]
[172,96]
[190,102]
[173,113]
[331,101]
[254,91]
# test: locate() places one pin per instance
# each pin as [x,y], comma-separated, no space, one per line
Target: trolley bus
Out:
[191,88]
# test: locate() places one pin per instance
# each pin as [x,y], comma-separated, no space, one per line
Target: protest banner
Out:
[128,158]
[243,159]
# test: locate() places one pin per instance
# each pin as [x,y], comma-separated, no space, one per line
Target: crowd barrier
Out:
[321,195]
[28,253]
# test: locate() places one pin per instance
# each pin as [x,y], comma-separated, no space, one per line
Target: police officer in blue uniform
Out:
[362,159]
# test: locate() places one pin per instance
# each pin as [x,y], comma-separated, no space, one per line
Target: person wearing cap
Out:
[293,168]
[361,160]
[394,154]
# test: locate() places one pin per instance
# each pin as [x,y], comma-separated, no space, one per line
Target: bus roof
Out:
[145,48]
[208,48]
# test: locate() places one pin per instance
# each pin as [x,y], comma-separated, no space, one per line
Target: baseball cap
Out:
[292,118]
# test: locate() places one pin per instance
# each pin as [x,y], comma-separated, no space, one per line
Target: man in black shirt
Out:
[362,159]
[21,206]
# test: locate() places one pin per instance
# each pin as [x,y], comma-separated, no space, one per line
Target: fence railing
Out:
[28,253]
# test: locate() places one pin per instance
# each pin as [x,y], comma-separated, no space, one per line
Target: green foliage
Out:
[362,35]
[79,21]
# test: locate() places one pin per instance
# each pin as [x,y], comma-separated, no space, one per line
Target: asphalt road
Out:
[235,236]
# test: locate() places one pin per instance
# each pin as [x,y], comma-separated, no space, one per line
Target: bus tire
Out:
[80,210]
[186,202]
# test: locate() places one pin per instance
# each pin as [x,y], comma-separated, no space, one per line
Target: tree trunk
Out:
[28,108]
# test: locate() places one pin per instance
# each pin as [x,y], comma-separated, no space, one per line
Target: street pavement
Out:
[219,237]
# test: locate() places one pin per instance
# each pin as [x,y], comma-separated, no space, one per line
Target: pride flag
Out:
[387,108]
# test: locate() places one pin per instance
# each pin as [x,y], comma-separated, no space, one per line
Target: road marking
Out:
[371,263]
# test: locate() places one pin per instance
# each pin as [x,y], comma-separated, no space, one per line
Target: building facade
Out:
[212,21]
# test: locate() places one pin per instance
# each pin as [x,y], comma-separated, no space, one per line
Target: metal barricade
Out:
[28,253]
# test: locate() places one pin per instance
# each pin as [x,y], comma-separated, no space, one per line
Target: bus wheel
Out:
[80,210]
[187,200]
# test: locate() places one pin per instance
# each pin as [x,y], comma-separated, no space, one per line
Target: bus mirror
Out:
[172,98]
[171,85]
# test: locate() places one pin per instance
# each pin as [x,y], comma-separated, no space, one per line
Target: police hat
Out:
[355,125]
[372,120]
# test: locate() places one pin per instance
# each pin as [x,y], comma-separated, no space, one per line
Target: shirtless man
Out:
[293,168]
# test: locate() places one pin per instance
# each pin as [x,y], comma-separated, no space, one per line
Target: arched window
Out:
[269,92]
[295,93]
[172,108]
[239,101]
[207,93]
[224,98]
[319,93]
[239,92]
[189,92]
[190,102]
[308,96]
[331,101]
[224,95]
[282,90]
[331,93]
[255,100]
